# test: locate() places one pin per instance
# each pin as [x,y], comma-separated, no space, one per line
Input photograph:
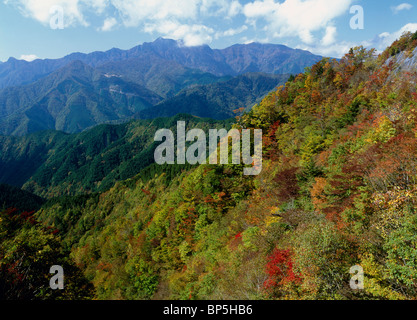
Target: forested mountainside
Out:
[218,100]
[71,100]
[52,164]
[338,189]
[13,197]
[78,97]
[27,251]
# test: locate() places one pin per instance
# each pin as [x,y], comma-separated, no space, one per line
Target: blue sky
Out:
[320,26]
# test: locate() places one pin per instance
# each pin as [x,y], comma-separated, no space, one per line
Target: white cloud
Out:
[296,17]
[231,32]
[28,57]
[151,16]
[245,40]
[234,9]
[108,24]
[99,5]
[214,7]
[40,10]
[260,9]
[133,12]
[401,7]
[192,35]
[330,36]
[337,50]
[385,39]
[176,19]
[136,12]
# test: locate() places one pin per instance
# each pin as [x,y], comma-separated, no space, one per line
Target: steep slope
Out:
[20,157]
[402,54]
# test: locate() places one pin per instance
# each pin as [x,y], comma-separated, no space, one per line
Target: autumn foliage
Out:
[280,272]
[338,188]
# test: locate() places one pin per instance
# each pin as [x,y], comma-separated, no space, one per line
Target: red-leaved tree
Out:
[281,274]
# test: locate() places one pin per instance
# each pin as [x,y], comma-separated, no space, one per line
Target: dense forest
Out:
[338,189]
[52,164]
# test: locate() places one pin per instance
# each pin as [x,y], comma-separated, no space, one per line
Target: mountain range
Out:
[155,79]
[232,61]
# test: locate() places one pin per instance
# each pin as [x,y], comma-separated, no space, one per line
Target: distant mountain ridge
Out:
[157,79]
[234,60]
